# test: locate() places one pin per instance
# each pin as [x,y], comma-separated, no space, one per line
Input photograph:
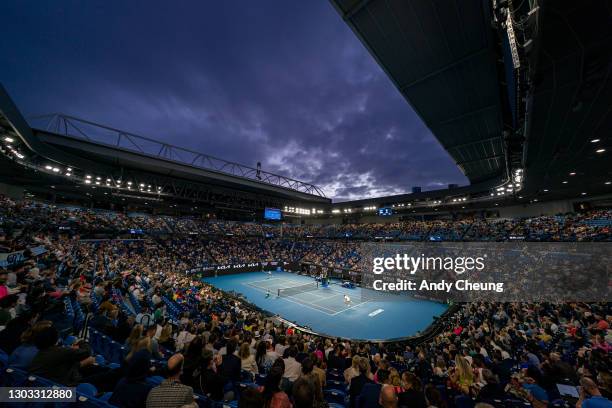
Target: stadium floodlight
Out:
[595,141]
[564,182]
[98,178]
[108,180]
[87,181]
[88,176]
[336,211]
[98,183]
[582,193]
[49,167]
[572,173]
[600,150]
[68,169]
[545,190]
[142,185]
[9,139]
[129,183]
[607,183]
[56,170]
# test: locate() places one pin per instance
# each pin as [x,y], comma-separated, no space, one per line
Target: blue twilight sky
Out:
[286,83]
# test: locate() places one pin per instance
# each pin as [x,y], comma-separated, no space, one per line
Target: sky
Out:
[285,83]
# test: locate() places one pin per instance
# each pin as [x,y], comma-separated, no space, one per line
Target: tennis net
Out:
[294,290]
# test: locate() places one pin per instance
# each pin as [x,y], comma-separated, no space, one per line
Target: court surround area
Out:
[369,315]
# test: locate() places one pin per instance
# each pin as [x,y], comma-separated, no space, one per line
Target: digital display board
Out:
[272,214]
[385,211]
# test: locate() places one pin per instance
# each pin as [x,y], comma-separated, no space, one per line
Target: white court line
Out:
[265,280]
[302,303]
[344,310]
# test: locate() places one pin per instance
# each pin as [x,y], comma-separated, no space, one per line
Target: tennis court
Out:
[370,316]
[324,299]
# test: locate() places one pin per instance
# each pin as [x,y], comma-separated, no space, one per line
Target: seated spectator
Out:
[491,390]
[590,396]
[59,364]
[171,393]
[370,394]
[7,309]
[10,338]
[23,355]
[388,397]
[412,396]
[206,379]
[462,378]
[433,397]
[132,390]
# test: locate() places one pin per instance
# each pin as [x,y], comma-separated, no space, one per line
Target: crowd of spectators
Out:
[185,343]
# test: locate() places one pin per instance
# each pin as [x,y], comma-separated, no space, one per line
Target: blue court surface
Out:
[370,315]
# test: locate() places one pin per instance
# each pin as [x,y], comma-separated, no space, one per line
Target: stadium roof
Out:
[522,87]
[442,57]
[571,117]
[71,153]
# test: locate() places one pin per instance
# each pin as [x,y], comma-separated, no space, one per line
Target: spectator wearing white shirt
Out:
[293,369]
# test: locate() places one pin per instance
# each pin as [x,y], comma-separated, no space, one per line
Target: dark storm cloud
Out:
[284,83]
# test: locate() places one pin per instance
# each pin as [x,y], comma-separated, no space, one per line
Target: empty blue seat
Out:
[335,396]
[87,389]
[335,385]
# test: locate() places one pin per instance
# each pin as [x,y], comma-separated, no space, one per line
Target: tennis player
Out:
[347,300]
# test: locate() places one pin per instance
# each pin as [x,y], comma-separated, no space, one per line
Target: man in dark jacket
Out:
[357,383]
[230,364]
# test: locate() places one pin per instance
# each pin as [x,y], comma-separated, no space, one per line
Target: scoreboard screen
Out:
[385,211]
[272,214]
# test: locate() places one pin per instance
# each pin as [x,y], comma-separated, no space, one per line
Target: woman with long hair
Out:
[247,359]
[165,337]
[463,376]
[134,336]
[260,356]
[144,343]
